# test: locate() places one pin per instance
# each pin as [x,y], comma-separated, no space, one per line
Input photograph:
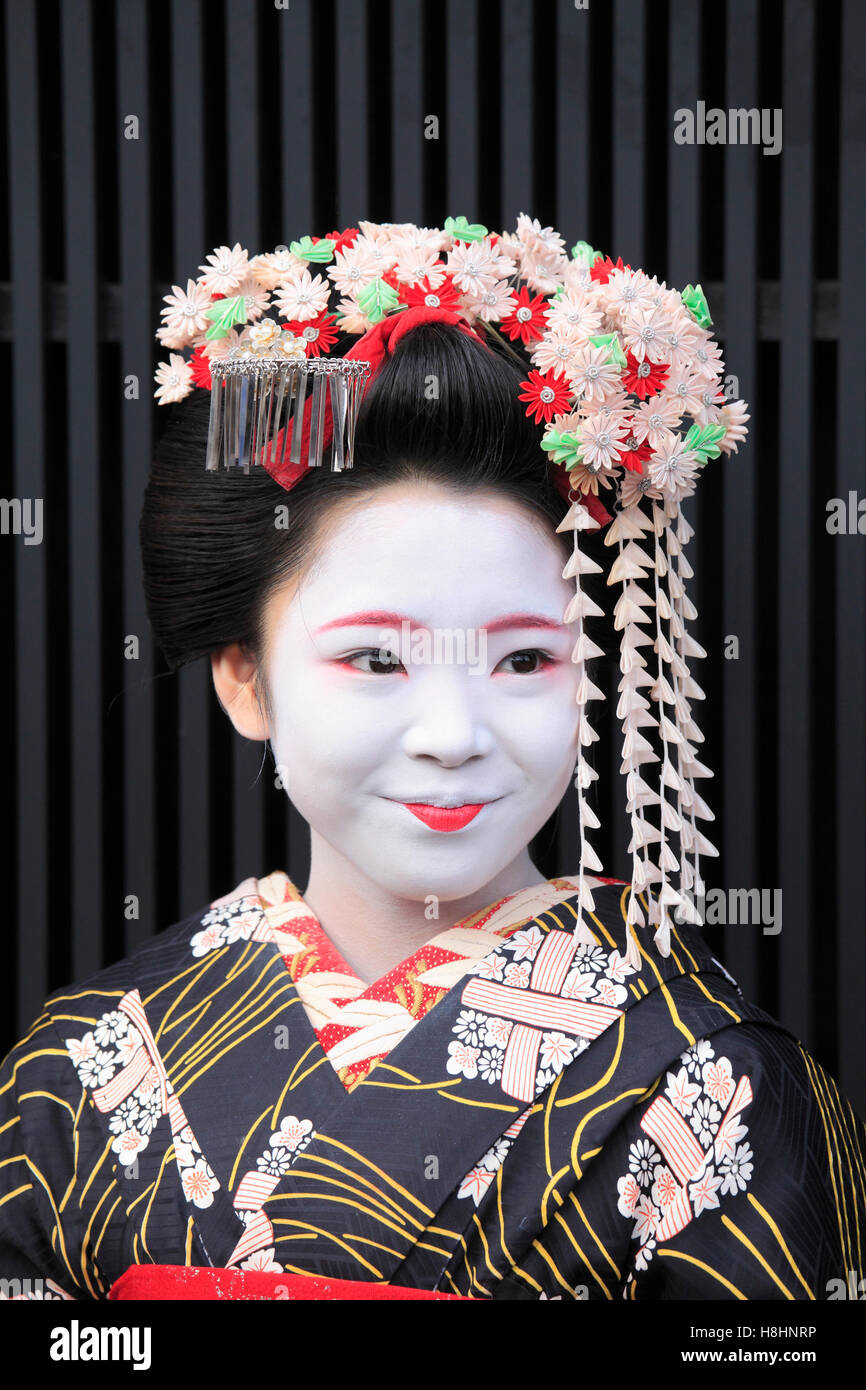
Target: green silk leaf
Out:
[612,343]
[377,299]
[225,313]
[309,250]
[462,230]
[695,301]
[563,448]
[582,251]
[704,441]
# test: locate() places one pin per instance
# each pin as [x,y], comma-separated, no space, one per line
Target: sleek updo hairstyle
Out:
[442,407]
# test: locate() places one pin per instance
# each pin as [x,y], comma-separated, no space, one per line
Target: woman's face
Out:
[471,706]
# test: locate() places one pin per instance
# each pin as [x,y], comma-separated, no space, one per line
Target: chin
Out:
[442,869]
[446,885]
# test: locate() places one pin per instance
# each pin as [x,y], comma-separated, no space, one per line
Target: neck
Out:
[374,930]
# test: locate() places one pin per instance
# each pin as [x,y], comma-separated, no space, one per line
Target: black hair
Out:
[443,407]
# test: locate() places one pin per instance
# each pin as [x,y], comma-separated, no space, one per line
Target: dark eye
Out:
[525,663]
[375,661]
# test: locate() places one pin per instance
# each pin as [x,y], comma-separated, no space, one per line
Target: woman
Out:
[431,1069]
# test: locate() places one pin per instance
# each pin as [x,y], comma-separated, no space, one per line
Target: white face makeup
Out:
[358,742]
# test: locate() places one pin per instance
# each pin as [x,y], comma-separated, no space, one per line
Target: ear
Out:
[233,677]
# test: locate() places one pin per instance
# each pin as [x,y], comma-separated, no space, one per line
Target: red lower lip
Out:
[444,817]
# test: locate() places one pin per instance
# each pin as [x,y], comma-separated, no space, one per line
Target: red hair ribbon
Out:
[373,347]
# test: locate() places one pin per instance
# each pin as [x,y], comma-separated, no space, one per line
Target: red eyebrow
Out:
[379,618]
[373,618]
[522,620]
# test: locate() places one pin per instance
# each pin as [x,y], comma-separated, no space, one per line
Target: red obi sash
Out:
[173,1282]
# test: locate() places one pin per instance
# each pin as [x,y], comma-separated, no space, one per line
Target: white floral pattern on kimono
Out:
[696,1152]
[118,1061]
[530,981]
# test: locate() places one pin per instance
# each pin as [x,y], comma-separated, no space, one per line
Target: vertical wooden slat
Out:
[795,744]
[297,107]
[242,159]
[684,266]
[739,677]
[137,342]
[352,173]
[516,113]
[195,691]
[407,111]
[850,730]
[25,242]
[629,152]
[84,504]
[629,127]
[297,845]
[684,51]
[684,232]
[461,116]
[243,210]
[574,122]
[9,791]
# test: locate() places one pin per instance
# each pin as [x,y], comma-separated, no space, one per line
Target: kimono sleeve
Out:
[47,1146]
[744,1175]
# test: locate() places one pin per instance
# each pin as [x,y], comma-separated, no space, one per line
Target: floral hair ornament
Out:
[626,380]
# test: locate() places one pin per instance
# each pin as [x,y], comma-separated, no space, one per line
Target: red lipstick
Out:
[444,817]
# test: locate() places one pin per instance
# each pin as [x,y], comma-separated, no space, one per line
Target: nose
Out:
[446,722]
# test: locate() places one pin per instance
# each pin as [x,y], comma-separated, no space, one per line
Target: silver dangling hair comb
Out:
[258,396]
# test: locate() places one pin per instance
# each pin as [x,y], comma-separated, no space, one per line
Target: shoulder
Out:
[149,965]
[89,1003]
[149,971]
[96,1025]
[651,961]
[239,915]
[683,1000]
[742,1173]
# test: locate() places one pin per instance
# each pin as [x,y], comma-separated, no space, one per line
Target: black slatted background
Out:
[258,125]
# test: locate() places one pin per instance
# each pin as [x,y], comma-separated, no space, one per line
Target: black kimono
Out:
[559,1125]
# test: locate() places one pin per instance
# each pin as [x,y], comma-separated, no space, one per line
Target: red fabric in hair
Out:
[178,1282]
[593,504]
[373,347]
